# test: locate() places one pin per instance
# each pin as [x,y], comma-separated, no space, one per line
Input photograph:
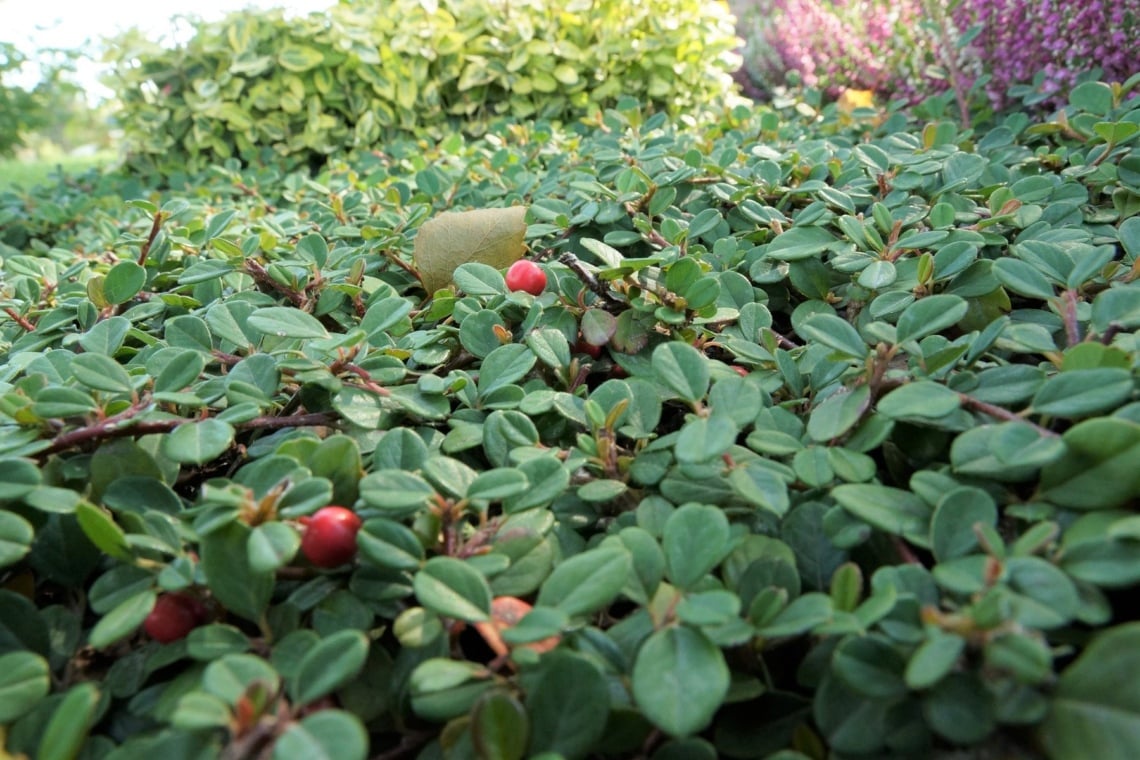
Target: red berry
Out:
[526,275]
[330,536]
[173,616]
[742,371]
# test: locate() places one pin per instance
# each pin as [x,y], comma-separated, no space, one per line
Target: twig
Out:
[113,427]
[1001,414]
[1069,314]
[19,319]
[588,278]
[261,276]
[395,259]
[159,218]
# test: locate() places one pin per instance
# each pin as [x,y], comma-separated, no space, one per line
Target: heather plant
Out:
[1045,47]
[996,50]
[834,46]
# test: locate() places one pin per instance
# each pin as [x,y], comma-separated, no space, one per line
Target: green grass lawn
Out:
[15,173]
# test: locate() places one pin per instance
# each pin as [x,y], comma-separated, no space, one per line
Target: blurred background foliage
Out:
[260,85]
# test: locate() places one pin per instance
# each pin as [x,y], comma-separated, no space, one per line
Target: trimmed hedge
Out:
[259,87]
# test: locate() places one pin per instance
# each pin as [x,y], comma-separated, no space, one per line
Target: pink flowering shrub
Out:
[907,48]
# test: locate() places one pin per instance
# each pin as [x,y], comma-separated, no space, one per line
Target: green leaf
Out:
[500,728]
[452,588]
[225,561]
[477,279]
[101,373]
[272,545]
[682,369]
[198,442]
[25,679]
[1098,468]
[503,366]
[123,620]
[801,616]
[491,236]
[332,663]
[1022,278]
[299,57]
[1084,392]
[286,322]
[211,642]
[889,509]
[960,709]
[1095,711]
[934,659]
[695,540]
[680,680]
[760,486]
[800,243]
[123,282]
[568,705]
[598,326]
[870,666]
[16,536]
[323,735]
[101,529]
[835,333]
[1094,97]
[705,438]
[952,532]
[929,315]
[389,544]
[921,399]
[230,677]
[67,730]
[586,582]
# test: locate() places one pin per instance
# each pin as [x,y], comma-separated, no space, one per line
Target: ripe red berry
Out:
[526,275]
[173,616]
[330,536]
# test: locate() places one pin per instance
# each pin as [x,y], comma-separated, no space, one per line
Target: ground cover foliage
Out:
[820,442]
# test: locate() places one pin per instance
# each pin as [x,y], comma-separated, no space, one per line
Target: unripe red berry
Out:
[582,347]
[173,616]
[330,536]
[526,275]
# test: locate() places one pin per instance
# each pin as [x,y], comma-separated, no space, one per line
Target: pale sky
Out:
[34,24]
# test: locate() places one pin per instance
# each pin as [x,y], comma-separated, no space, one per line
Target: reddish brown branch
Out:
[262,277]
[159,218]
[113,427]
[19,319]
[1001,414]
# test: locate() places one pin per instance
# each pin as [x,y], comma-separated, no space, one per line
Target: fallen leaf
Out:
[492,236]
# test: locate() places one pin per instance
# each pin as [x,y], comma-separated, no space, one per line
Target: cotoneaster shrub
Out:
[852,474]
[260,87]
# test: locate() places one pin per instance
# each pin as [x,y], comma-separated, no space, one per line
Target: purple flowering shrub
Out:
[834,46]
[1053,41]
[913,48]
